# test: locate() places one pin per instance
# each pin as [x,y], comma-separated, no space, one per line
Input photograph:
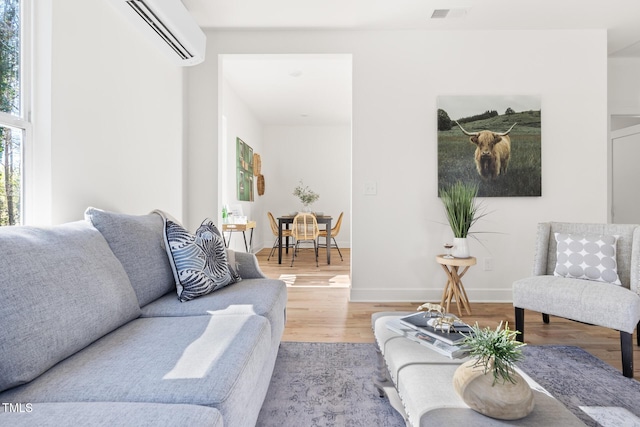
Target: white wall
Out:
[397,76]
[321,157]
[116,127]
[241,123]
[117,132]
[624,85]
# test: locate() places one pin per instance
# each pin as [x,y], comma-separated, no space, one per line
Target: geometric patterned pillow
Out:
[199,261]
[587,256]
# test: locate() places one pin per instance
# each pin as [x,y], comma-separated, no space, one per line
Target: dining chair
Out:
[274,229]
[305,229]
[334,232]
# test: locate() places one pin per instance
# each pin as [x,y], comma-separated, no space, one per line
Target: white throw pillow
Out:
[587,256]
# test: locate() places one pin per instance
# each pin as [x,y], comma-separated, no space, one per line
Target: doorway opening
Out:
[294,111]
[624,148]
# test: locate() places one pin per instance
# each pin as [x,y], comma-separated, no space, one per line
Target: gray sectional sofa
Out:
[92,332]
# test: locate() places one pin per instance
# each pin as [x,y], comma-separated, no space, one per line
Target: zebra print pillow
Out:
[199,261]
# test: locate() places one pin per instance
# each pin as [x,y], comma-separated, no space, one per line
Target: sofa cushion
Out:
[137,241]
[587,256]
[199,261]
[61,289]
[264,297]
[109,414]
[218,361]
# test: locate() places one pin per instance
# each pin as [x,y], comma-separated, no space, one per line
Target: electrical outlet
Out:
[370,188]
[488,264]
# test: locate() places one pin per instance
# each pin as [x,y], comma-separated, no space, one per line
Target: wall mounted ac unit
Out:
[170,27]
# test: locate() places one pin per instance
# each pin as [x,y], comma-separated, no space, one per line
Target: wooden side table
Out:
[250,225]
[454,288]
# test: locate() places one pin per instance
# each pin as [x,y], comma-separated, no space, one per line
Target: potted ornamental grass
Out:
[462,211]
[489,383]
[496,351]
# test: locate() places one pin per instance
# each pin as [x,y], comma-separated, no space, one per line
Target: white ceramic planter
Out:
[460,247]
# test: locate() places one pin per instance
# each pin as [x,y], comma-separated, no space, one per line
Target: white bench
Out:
[419,384]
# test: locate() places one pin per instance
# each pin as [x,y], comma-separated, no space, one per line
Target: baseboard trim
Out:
[426,295]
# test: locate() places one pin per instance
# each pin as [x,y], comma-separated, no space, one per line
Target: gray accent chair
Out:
[586,301]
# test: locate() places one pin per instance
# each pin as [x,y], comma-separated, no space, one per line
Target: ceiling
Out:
[293,89]
[621,18]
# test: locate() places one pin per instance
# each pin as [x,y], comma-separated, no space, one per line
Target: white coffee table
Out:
[419,384]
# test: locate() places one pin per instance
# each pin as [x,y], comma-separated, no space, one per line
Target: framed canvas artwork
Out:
[493,141]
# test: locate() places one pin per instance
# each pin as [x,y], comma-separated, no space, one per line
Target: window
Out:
[13,122]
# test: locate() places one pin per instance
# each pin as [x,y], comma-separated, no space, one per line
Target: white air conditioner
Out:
[170,27]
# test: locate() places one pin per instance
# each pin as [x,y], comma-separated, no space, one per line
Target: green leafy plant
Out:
[496,350]
[305,194]
[460,206]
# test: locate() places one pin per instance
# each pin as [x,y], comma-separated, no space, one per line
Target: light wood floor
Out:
[320,311]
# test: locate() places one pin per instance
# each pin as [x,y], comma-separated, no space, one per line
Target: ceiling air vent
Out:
[440,13]
[457,12]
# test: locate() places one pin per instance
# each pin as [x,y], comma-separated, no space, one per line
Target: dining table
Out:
[284,222]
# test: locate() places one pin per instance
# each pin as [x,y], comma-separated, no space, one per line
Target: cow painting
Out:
[493,151]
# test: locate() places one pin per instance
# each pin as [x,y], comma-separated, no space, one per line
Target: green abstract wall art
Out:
[244,156]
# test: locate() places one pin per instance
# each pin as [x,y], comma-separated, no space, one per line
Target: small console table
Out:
[454,288]
[250,225]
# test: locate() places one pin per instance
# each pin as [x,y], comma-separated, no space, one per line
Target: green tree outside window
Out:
[10,104]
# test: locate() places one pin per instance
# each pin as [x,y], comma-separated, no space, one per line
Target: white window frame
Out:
[23,122]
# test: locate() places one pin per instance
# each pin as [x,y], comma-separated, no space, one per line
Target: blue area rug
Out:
[331,384]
